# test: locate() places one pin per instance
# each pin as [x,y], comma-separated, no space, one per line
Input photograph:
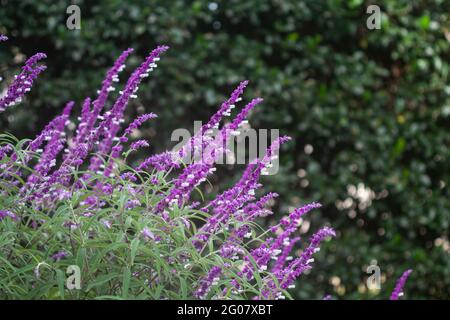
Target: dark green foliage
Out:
[373,104]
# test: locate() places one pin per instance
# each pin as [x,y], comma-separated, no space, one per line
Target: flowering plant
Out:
[72,198]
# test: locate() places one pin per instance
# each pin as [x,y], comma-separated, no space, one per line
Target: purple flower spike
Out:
[139,144]
[192,176]
[161,162]
[398,290]
[281,260]
[206,283]
[241,193]
[244,113]
[22,82]
[111,77]
[5,150]
[226,107]
[55,143]
[89,119]
[83,127]
[169,160]
[303,263]
[110,126]
[136,124]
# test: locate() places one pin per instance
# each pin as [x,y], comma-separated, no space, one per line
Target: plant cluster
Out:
[70,197]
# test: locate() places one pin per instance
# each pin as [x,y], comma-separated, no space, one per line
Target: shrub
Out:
[373,104]
[70,198]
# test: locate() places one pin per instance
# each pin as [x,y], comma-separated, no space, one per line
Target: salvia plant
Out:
[70,197]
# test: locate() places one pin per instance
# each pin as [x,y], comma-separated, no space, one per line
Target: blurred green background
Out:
[369,110]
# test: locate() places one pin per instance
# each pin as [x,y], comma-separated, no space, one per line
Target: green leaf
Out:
[61,280]
[99,281]
[126,282]
[134,248]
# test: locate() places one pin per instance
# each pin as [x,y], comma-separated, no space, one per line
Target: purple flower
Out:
[83,127]
[232,200]
[231,251]
[207,282]
[22,82]
[249,181]
[55,144]
[136,124]
[130,176]
[44,135]
[5,150]
[161,162]
[226,106]
[398,290]
[147,234]
[200,141]
[131,204]
[106,188]
[190,178]
[243,114]
[90,201]
[6,213]
[283,257]
[86,133]
[87,136]
[111,76]
[3,38]
[109,127]
[59,256]
[139,144]
[288,275]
